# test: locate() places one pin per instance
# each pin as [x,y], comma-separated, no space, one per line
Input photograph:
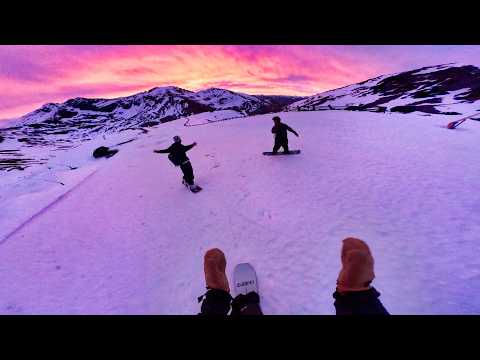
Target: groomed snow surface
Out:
[130,239]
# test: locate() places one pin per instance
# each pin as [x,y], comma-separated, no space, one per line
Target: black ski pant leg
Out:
[276,146]
[187,172]
[252,309]
[246,305]
[280,143]
[216,302]
[365,302]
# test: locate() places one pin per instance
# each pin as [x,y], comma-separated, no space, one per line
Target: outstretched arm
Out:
[291,130]
[188,147]
[163,151]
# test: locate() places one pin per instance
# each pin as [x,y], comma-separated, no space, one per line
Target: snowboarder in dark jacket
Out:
[281,138]
[177,154]
[354,294]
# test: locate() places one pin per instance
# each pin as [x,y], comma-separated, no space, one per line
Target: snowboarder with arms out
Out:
[353,295]
[177,155]
[281,137]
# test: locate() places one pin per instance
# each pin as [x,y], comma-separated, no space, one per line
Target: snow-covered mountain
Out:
[145,109]
[449,89]
[65,125]
[81,117]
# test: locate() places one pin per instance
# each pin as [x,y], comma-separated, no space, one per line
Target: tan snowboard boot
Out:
[214,267]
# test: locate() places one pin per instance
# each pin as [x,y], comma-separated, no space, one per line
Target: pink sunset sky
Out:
[33,75]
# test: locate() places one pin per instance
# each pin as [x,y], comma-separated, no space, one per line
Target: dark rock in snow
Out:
[108,108]
[104,151]
[150,123]
[36,126]
[168,118]
[64,113]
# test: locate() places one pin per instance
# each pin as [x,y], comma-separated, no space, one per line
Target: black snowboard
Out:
[291,152]
[196,189]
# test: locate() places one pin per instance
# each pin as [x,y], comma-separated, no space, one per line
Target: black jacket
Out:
[359,303]
[280,131]
[178,151]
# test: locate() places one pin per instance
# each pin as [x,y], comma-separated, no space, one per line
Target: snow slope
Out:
[130,239]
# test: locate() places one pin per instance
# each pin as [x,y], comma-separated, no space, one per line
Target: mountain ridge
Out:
[83,117]
[449,89]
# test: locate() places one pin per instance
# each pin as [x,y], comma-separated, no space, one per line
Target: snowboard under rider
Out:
[177,154]
[281,137]
[354,294]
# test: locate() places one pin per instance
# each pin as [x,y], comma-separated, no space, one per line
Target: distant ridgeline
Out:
[443,89]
